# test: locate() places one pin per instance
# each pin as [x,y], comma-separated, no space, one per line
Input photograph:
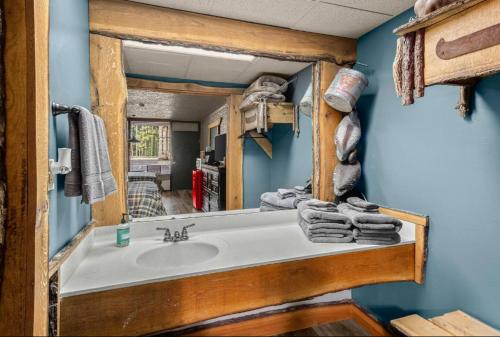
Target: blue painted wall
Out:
[426,159]
[69,73]
[292,157]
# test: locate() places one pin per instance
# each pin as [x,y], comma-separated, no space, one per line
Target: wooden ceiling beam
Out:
[135,21]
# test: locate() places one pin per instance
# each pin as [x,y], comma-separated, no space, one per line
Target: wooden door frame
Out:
[24,290]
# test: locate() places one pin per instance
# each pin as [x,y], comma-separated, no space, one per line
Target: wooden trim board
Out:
[234,154]
[181,88]
[325,122]
[165,305]
[277,322]
[140,22]
[56,262]
[414,325]
[24,290]
[109,98]
[421,238]
[264,142]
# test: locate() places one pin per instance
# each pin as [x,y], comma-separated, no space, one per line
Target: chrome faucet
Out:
[178,236]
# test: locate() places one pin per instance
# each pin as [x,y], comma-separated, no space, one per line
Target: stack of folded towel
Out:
[284,198]
[322,222]
[371,227]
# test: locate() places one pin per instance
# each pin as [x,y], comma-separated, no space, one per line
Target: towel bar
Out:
[59,109]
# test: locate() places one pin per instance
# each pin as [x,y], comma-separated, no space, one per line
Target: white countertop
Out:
[244,240]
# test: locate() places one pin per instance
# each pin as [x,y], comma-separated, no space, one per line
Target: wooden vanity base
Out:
[160,306]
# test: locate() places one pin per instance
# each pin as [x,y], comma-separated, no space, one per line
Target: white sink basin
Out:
[177,255]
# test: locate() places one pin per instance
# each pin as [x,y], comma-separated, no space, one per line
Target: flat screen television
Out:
[220,147]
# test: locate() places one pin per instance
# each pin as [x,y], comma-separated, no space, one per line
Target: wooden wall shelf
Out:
[277,113]
[461,41]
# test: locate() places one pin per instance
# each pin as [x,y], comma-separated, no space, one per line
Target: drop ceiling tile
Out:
[281,13]
[198,6]
[341,21]
[265,65]
[381,6]
[216,69]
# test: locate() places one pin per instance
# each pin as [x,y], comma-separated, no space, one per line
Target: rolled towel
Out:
[347,135]
[359,203]
[345,177]
[370,221]
[284,193]
[320,205]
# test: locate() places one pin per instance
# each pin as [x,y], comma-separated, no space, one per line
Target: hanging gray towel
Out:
[345,177]
[73,180]
[97,178]
[347,135]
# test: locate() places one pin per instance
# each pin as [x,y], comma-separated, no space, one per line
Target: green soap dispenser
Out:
[123,232]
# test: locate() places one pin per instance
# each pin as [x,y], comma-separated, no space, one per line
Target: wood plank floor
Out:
[178,202]
[343,328]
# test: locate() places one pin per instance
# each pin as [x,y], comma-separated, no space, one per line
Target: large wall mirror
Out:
[179,143]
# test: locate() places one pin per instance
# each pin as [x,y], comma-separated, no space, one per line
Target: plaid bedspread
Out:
[144,200]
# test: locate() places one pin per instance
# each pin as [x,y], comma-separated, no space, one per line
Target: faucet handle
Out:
[167,236]
[188,226]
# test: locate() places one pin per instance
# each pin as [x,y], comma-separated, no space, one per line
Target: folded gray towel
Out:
[311,230]
[320,205]
[370,220]
[312,216]
[302,190]
[97,179]
[364,210]
[269,208]
[376,239]
[380,231]
[73,180]
[358,203]
[330,239]
[300,198]
[272,198]
[345,177]
[284,193]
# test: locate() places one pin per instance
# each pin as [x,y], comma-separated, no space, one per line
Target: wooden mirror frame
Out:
[112,21]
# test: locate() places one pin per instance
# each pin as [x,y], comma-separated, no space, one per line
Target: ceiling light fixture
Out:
[188,51]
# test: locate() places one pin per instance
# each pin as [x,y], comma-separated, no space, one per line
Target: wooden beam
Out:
[56,262]
[264,143]
[435,17]
[325,122]
[109,98]
[24,292]
[165,305]
[181,88]
[234,155]
[140,22]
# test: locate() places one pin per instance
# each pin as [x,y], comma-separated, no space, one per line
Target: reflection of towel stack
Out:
[322,223]
[305,106]
[371,227]
[278,201]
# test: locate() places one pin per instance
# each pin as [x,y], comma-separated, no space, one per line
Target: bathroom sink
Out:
[178,255]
